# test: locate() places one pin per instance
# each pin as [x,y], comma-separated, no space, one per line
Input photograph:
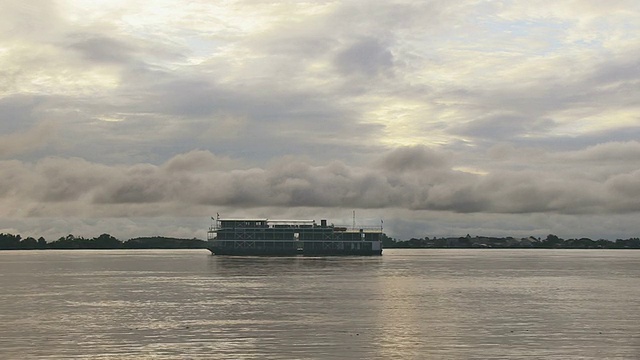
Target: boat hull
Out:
[234,252]
[216,250]
[304,251]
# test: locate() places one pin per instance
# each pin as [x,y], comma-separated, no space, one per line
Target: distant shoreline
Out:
[102,242]
[485,242]
[108,242]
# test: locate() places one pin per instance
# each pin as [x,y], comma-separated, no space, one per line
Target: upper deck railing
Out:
[285,224]
[369,229]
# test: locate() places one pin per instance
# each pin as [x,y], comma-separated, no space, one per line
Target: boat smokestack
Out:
[323,223]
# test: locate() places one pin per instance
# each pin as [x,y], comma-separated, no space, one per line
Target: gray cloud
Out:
[417,179]
[413,158]
[625,189]
[33,139]
[366,57]
[626,152]
[505,126]
[101,49]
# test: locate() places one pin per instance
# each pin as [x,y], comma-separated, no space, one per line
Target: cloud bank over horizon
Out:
[494,118]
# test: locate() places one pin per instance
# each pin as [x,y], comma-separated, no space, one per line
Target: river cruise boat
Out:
[290,237]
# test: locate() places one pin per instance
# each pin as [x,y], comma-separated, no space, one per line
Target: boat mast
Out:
[353,225]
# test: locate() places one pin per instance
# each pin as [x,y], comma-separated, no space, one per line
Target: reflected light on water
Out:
[455,304]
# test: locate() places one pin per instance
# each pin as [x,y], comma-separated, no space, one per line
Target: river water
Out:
[406,304]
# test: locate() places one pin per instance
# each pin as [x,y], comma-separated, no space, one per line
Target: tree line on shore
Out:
[106,241]
[550,242]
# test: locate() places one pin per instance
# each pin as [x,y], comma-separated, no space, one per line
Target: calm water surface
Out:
[407,304]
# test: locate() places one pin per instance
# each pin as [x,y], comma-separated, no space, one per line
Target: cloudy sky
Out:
[141,118]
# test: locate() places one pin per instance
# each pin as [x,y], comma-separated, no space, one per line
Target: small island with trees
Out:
[106,241]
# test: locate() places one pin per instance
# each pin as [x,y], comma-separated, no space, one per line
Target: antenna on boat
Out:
[215,221]
[353,226]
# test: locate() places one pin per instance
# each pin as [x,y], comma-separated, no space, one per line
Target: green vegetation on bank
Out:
[106,241]
[550,242]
